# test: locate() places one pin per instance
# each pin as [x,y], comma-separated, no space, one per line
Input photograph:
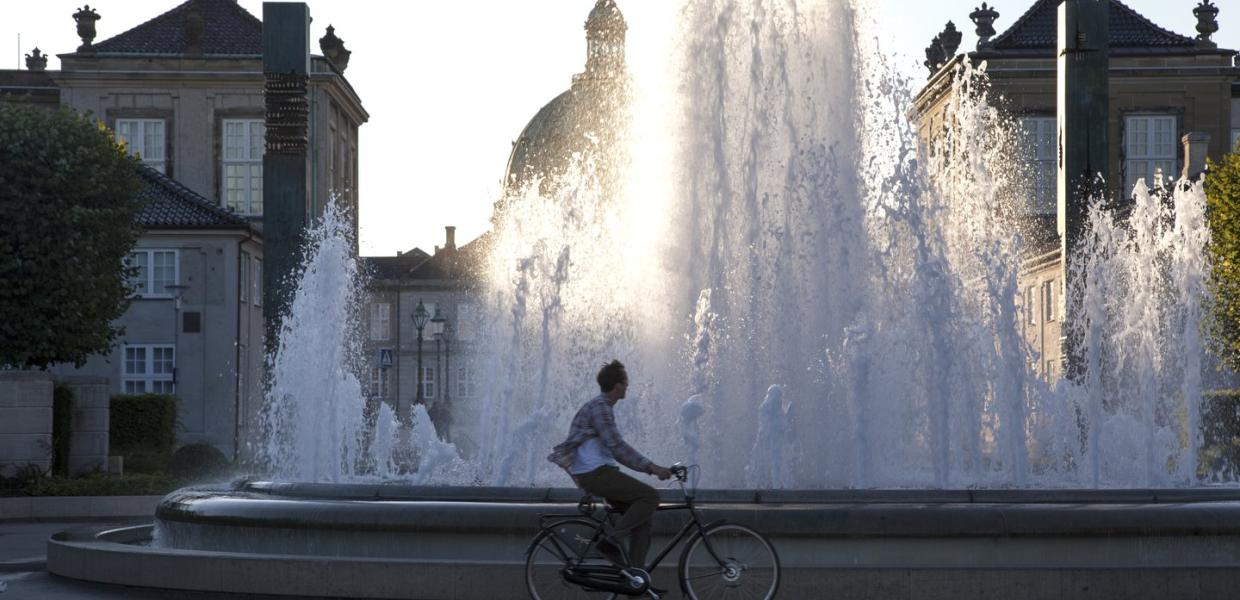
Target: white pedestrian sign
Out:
[385,358]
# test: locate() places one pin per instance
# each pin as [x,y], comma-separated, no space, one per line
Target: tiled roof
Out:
[227,29]
[170,205]
[1037,29]
[393,267]
[457,263]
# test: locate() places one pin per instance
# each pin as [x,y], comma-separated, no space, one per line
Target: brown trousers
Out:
[636,499]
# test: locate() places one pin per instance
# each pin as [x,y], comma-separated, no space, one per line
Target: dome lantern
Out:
[605,28]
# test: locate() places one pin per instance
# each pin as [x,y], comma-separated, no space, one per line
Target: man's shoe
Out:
[612,552]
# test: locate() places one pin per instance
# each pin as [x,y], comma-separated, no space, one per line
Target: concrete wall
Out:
[25,420]
[88,445]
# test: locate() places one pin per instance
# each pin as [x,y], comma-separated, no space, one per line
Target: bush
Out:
[198,461]
[1223,215]
[62,428]
[1220,434]
[143,429]
[68,198]
[105,485]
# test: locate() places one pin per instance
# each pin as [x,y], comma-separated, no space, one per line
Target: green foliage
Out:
[1220,433]
[195,462]
[143,429]
[67,208]
[1223,214]
[62,428]
[105,485]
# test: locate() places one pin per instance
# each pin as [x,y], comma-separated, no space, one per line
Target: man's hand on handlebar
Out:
[663,473]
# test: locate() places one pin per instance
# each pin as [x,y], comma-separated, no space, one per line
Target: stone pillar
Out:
[1083,117]
[286,65]
[1196,147]
[25,421]
[88,446]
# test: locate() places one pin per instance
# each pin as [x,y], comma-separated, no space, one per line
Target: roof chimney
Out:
[451,237]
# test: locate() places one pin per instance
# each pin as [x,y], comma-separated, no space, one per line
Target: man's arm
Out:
[605,425]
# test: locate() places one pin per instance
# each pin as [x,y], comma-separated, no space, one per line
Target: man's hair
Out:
[611,374]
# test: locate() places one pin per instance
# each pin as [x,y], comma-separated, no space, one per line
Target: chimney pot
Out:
[450,244]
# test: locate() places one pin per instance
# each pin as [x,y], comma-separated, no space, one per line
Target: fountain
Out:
[838,306]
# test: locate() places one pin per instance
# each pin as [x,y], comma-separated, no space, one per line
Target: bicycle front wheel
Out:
[729,561]
[554,548]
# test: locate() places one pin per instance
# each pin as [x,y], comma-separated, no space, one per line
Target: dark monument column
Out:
[1084,114]
[286,63]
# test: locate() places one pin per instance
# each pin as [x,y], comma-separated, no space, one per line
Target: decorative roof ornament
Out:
[950,39]
[984,18]
[333,48]
[36,61]
[86,17]
[195,25]
[1207,22]
[934,54]
[605,31]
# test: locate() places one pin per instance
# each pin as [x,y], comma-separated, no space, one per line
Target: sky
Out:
[449,85]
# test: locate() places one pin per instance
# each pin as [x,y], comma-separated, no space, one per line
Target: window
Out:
[466,321]
[466,384]
[1149,145]
[1048,300]
[1030,306]
[428,383]
[245,275]
[1235,139]
[380,321]
[144,138]
[1050,371]
[242,365]
[149,369]
[256,278]
[243,165]
[379,383]
[1040,137]
[157,269]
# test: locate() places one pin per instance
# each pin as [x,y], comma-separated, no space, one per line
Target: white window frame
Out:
[428,382]
[466,381]
[147,275]
[146,380]
[1048,300]
[1235,140]
[1144,153]
[381,321]
[1041,137]
[380,383]
[248,159]
[256,281]
[1031,308]
[138,145]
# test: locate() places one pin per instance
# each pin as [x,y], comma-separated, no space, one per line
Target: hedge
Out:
[143,429]
[62,428]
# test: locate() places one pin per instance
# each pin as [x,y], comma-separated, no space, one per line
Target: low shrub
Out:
[143,429]
[105,485]
[197,462]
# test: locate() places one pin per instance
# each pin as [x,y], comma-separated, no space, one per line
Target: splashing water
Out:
[780,226]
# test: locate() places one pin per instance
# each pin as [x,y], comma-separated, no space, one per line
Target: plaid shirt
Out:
[596,419]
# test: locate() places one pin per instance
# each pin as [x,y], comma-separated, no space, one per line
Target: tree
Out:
[68,198]
[1223,214]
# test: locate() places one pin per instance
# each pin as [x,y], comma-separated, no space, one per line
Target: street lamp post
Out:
[438,320]
[448,330]
[420,317]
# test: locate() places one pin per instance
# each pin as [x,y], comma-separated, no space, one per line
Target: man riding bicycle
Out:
[589,455]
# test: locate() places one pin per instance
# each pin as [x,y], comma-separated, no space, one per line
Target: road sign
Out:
[385,358]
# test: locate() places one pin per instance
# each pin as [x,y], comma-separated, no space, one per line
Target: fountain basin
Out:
[383,540]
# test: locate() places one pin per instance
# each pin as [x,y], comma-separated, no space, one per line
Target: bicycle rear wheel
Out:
[743,565]
[554,548]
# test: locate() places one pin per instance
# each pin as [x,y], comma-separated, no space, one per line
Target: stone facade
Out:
[1191,85]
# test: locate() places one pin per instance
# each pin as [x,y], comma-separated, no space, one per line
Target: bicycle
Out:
[719,559]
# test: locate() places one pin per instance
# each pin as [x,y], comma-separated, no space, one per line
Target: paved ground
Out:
[23,550]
